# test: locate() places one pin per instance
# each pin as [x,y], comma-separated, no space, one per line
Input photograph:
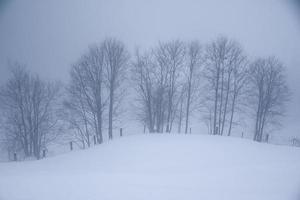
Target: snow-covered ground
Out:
[154,167]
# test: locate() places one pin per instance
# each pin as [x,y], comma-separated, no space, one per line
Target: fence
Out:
[268,138]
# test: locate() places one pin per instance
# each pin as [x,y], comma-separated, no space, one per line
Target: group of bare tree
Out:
[93,94]
[225,73]
[268,94]
[172,81]
[235,83]
[28,107]
[165,79]
[177,78]
[34,112]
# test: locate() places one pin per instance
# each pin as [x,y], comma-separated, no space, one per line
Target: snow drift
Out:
[159,166]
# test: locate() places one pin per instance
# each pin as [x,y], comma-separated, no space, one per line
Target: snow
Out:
[159,166]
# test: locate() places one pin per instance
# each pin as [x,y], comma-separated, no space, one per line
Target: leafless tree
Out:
[161,88]
[115,61]
[158,75]
[194,62]
[143,76]
[150,75]
[29,111]
[86,96]
[170,57]
[182,105]
[268,93]
[238,89]
[224,60]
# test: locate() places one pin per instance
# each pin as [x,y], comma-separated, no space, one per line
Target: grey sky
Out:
[49,36]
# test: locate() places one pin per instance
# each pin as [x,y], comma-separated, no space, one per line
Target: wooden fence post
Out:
[190,130]
[44,153]
[242,134]
[267,138]
[217,130]
[121,132]
[95,141]
[144,128]
[71,146]
[15,156]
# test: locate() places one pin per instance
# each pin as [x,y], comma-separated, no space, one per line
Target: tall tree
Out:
[116,60]
[87,100]
[215,58]
[171,56]
[29,111]
[194,61]
[268,93]
[238,88]
[143,76]
[224,59]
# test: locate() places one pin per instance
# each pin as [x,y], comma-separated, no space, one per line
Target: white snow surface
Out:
[159,167]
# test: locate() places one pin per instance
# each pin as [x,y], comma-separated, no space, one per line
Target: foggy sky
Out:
[48,36]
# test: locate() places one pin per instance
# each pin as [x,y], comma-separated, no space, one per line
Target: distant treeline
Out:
[215,82]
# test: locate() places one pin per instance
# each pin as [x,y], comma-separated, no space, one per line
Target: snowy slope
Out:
[159,167]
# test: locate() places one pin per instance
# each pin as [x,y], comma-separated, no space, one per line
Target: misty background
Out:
[49,36]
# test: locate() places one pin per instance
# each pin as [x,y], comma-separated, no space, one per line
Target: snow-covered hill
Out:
[154,167]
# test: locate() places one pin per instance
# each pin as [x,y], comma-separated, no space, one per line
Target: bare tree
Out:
[224,59]
[234,73]
[86,96]
[115,60]
[150,75]
[29,111]
[215,56]
[142,75]
[170,56]
[182,102]
[194,61]
[268,93]
[239,84]
[158,76]
[161,87]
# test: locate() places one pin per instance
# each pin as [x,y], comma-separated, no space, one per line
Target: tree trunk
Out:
[226,103]
[216,101]
[110,114]
[188,104]
[221,102]
[232,113]
[180,117]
